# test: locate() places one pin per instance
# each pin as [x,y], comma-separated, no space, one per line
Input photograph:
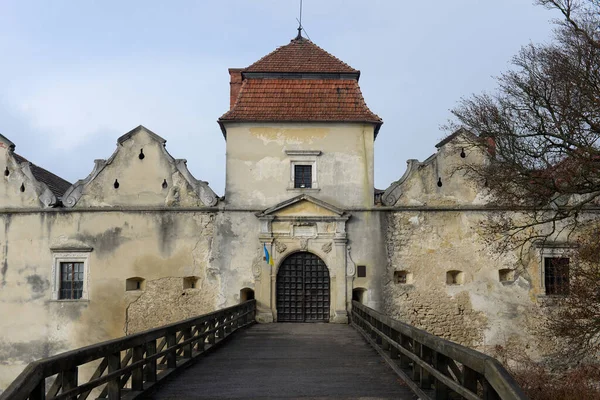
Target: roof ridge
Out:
[282,59]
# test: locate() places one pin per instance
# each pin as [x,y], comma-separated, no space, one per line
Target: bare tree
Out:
[542,131]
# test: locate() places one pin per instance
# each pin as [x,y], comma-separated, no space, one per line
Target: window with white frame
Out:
[303,169]
[70,274]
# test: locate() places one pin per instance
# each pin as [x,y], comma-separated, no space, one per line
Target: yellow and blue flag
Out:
[267,255]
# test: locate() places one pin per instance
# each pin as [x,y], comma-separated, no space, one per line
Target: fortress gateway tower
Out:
[300,148]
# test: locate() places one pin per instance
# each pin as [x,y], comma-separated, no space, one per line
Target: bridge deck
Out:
[289,361]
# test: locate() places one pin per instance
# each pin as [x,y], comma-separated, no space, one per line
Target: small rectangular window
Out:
[361,271]
[71,280]
[556,275]
[302,176]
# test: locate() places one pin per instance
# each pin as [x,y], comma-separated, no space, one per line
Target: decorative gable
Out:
[142,173]
[303,206]
[303,217]
[25,184]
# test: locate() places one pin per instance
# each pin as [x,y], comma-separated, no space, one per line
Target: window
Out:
[302,176]
[71,280]
[556,275]
[303,169]
[361,271]
[70,274]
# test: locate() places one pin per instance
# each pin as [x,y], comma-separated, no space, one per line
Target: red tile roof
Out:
[297,100]
[300,55]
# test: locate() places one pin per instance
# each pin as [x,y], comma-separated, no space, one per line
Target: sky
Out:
[76,75]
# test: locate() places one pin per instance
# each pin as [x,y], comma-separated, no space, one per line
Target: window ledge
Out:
[303,189]
[70,300]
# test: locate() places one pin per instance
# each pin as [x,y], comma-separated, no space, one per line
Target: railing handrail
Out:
[36,372]
[488,367]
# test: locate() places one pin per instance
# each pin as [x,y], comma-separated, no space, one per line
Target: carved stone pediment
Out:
[301,218]
[303,206]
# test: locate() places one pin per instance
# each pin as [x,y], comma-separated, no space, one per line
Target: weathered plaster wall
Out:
[367,242]
[258,168]
[161,247]
[480,311]
[436,229]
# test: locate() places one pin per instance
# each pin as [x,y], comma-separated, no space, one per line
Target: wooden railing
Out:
[433,367]
[128,366]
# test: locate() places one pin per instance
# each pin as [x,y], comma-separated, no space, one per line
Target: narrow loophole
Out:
[142,155]
[462,153]
[6,172]
[22,187]
[116,184]
[439,182]
[165,184]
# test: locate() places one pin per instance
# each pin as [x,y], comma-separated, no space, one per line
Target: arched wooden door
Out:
[303,289]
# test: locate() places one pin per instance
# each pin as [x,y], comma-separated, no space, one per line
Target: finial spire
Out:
[300,23]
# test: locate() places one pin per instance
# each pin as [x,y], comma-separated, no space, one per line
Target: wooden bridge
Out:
[224,354]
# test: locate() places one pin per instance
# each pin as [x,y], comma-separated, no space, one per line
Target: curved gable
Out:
[140,173]
[21,188]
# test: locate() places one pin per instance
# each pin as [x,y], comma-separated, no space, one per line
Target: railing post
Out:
[172,354]
[187,349]
[151,365]
[114,385]
[69,380]
[488,391]
[426,378]
[469,379]
[440,362]
[416,369]
[39,392]
[386,330]
[201,336]
[394,353]
[227,325]
[404,360]
[137,375]
[221,330]
[212,325]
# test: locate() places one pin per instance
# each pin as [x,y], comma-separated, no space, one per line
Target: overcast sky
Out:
[76,75]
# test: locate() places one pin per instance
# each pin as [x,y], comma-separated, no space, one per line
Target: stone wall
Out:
[479,310]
